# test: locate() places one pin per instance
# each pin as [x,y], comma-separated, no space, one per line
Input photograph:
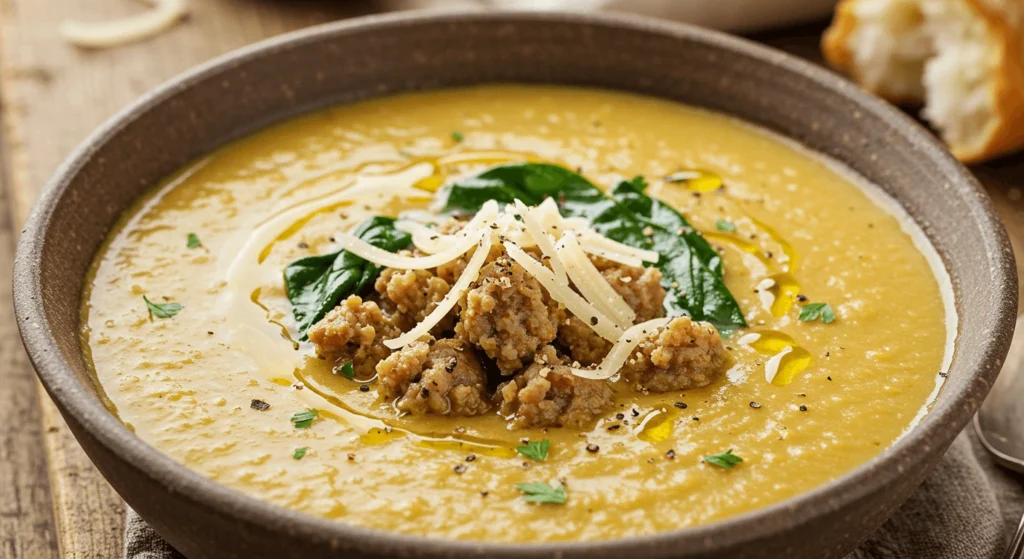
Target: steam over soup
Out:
[517,314]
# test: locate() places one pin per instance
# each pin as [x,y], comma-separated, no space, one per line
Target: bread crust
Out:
[836,51]
[1004,133]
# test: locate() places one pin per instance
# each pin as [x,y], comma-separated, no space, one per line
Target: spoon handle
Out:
[1016,550]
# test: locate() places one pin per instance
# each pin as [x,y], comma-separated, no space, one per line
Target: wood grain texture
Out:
[26,512]
[52,96]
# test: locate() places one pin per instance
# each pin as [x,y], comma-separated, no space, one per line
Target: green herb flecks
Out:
[457,136]
[724,460]
[303,419]
[193,241]
[542,493]
[691,269]
[299,453]
[535,450]
[814,311]
[162,310]
[316,284]
[347,370]
[725,226]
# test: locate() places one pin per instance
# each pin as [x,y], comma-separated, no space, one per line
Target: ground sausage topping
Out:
[354,331]
[683,355]
[547,394]
[508,315]
[444,378]
[505,323]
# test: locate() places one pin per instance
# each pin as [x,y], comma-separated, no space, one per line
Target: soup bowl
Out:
[359,59]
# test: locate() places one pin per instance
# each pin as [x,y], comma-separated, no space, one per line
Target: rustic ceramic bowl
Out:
[357,59]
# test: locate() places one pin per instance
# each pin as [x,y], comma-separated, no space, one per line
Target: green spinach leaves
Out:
[316,284]
[691,269]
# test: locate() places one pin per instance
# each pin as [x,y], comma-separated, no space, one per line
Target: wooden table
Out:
[52,95]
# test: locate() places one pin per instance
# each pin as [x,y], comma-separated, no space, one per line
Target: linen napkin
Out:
[966,509]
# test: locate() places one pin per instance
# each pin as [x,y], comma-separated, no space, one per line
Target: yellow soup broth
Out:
[843,391]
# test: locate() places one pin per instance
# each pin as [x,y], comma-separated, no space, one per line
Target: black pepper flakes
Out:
[364,388]
[671,454]
[755,405]
[680,405]
[613,427]
[803,407]
[471,458]
[696,419]
[303,245]
[620,416]
[801,297]
[461,468]
[351,456]
[593,448]
[259,405]
[593,321]
[829,378]
[484,493]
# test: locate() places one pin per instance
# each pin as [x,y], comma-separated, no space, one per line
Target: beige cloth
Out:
[966,509]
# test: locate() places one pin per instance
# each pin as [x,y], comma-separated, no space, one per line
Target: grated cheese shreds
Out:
[104,34]
[622,349]
[594,239]
[541,238]
[591,284]
[468,237]
[613,256]
[424,238]
[469,275]
[387,259]
[562,293]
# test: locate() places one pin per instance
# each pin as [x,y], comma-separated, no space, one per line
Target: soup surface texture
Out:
[217,384]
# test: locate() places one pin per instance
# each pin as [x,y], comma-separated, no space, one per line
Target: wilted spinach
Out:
[691,269]
[316,284]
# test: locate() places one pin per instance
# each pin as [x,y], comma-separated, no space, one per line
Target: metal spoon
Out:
[1000,422]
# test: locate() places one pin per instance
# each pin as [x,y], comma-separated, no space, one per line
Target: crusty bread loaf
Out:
[963,59]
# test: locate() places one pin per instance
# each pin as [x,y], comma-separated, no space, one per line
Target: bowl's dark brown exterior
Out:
[353,60]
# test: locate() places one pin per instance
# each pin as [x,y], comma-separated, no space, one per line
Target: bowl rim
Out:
[77,400]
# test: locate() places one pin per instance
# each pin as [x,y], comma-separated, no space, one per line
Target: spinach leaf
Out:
[316,284]
[691,269]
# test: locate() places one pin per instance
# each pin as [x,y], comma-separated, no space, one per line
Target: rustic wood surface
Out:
[52,95]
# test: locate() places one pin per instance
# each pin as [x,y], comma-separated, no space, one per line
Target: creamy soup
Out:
[826,342]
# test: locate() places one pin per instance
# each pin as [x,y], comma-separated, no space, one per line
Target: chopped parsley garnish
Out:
[814,311]
[304,419]
[299,453]
[542,493]
[193,241]
[457,136]
[535,450]
[724,460]
[162,310]
[725,226]
[348,369]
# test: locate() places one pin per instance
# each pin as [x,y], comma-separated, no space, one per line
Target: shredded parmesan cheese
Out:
[466,239]
[469,275]
[622,349]
[381,257]
[425,238]
[562,293]
[589,281]
[540,236]
[104,34]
